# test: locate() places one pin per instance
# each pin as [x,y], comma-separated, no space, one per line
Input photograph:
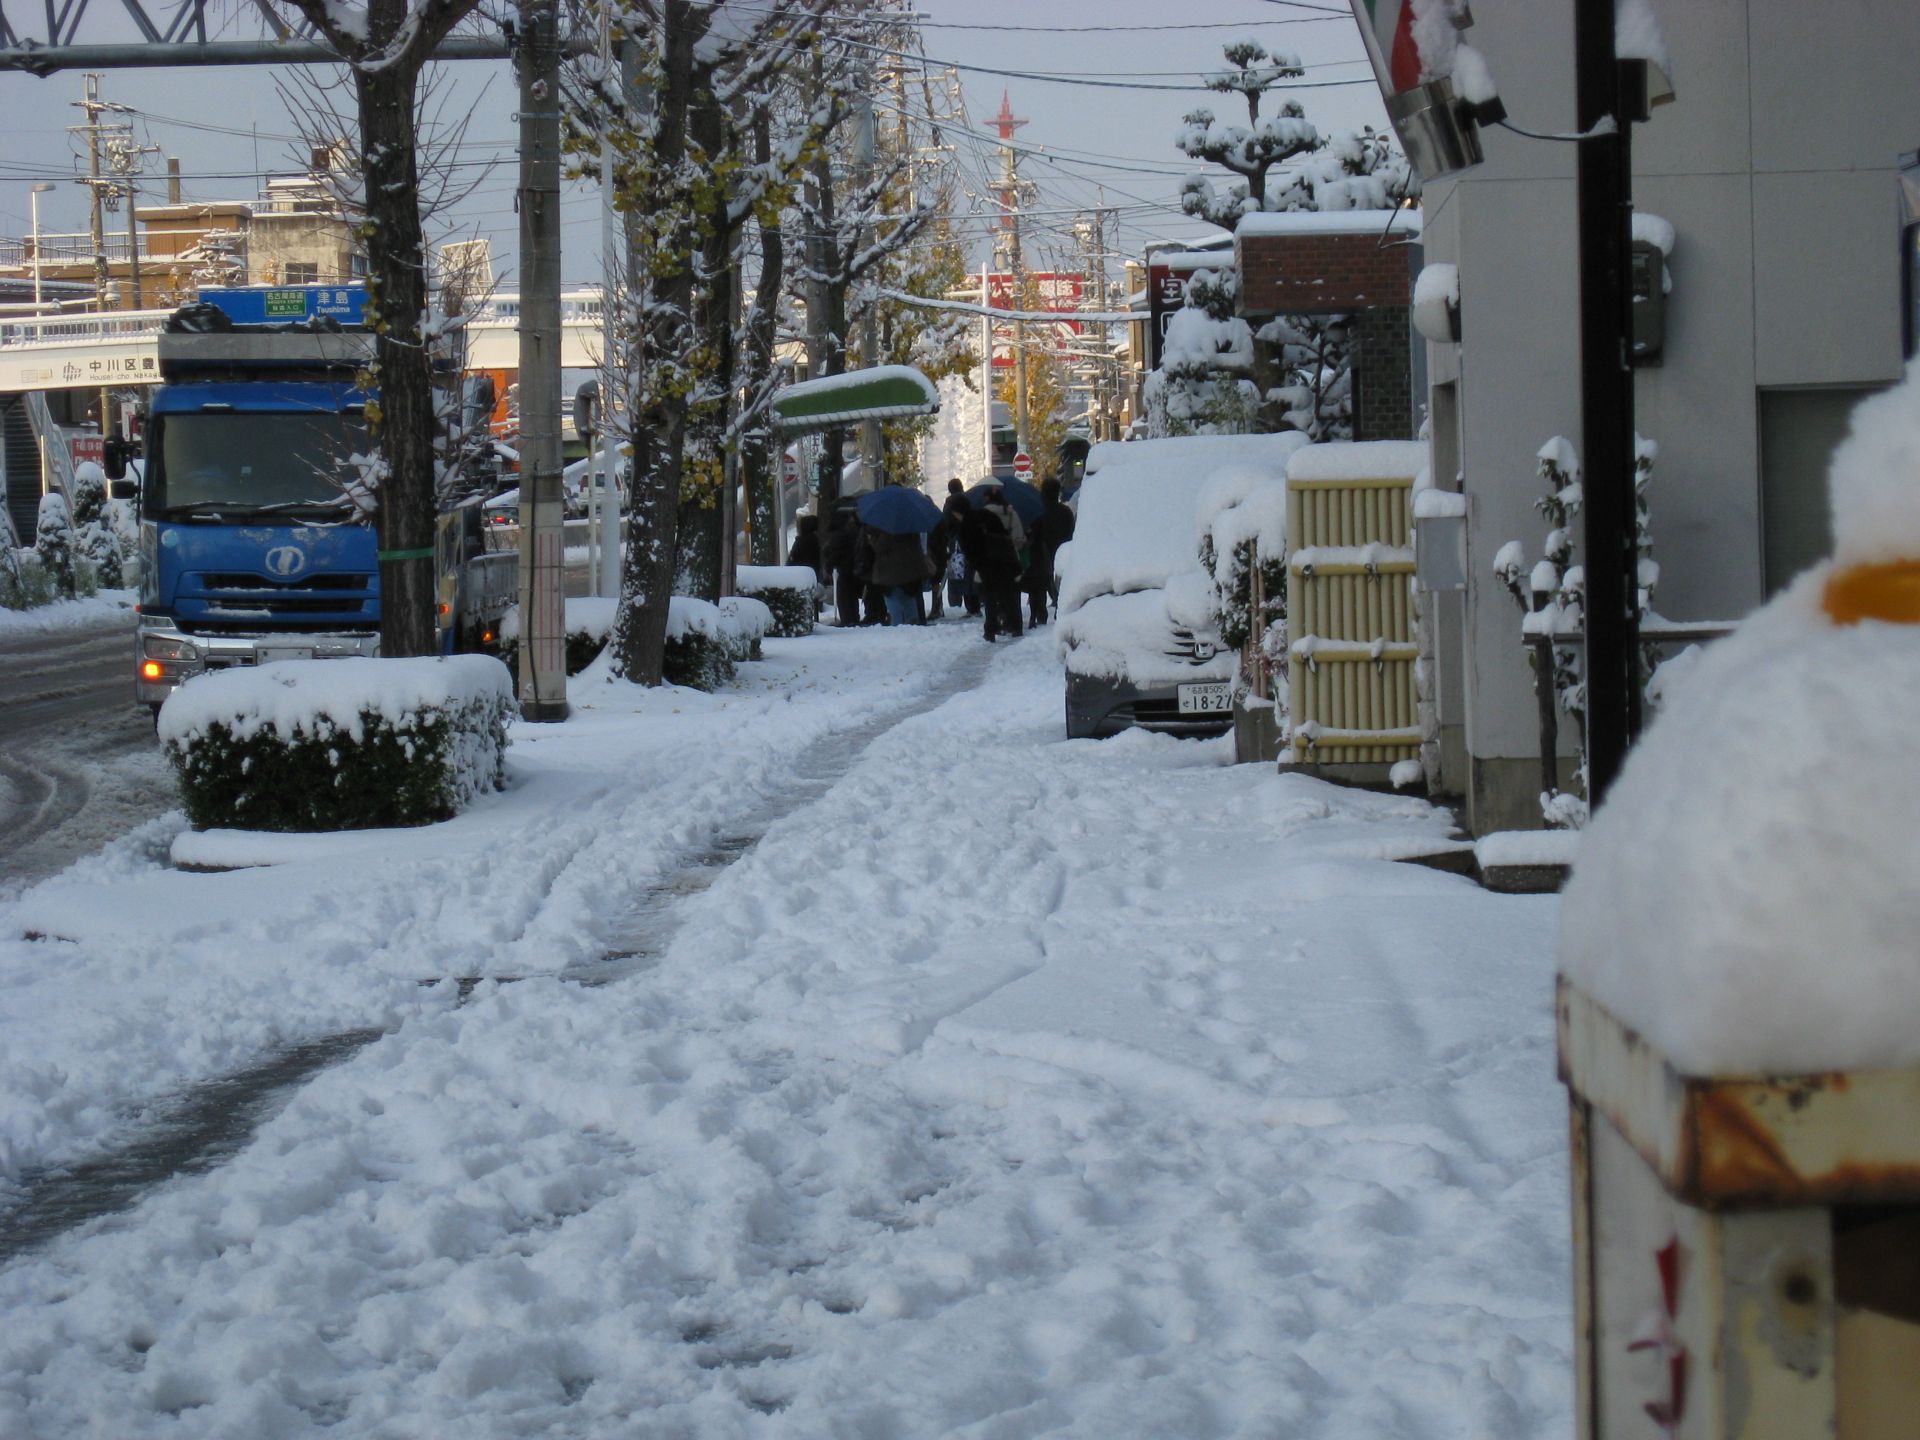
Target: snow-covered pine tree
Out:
[1284,163]
[1204,384]
[53,543]
[94,537]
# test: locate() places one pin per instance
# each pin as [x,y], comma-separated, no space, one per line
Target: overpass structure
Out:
[122,348]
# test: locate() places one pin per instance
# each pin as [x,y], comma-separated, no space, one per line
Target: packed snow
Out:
[1008,1086]
[77,614]
[1745,897]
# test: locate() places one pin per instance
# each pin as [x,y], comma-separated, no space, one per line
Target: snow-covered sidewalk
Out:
[1012,1087]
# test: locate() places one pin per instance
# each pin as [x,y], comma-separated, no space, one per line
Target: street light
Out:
[38,190]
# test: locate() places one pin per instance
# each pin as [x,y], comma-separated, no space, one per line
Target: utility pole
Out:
[1006,122]
[543,674]
[863,146]
[96,194]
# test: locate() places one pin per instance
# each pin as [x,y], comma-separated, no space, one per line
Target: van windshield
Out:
[227,464]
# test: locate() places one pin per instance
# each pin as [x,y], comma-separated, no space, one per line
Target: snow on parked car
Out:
[1136,628]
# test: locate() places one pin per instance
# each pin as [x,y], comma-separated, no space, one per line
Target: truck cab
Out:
[252,547]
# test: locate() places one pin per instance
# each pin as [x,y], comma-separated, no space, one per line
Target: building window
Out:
[302,272]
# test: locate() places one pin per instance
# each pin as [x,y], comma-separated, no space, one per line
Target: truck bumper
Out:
[165,658]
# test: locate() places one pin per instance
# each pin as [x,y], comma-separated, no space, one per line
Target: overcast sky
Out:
[1110,141]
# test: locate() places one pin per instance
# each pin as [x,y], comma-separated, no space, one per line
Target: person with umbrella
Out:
[896,518]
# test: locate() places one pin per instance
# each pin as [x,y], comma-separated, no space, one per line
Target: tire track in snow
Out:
[212,1121]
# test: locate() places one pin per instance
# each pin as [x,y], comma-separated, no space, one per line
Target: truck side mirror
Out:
[113,458]
[123,489]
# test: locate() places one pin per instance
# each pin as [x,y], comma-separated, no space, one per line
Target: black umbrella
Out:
[898,511]
[1026,501]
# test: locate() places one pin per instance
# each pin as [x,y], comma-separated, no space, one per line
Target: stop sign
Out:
[1023,466]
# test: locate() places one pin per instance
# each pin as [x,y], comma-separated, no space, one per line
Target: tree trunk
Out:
[758,465]
[396,299]
[826,322]
[661,285]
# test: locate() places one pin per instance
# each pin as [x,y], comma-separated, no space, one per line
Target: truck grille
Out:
[230,602]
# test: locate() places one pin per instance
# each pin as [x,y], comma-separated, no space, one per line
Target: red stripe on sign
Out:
[1403,62]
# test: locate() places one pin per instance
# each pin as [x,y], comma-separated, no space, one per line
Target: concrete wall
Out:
[1775,165]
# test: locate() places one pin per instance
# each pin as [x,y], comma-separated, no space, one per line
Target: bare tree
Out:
[384,47]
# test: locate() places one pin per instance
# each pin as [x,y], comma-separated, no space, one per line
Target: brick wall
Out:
[1302,274]
[1383,374]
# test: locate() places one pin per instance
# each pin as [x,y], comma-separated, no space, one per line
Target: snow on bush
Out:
[705,641]
[787,591]
[349,744]
[588,622]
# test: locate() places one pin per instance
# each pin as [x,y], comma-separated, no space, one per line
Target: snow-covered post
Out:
[1738,1009]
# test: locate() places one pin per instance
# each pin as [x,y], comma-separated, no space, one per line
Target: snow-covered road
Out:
[1008,1087]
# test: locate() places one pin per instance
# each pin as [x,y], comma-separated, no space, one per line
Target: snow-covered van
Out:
[1136,628]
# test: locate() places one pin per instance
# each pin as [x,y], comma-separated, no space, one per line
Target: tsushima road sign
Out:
[1023,466]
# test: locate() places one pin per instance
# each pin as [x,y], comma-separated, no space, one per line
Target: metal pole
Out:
[1606,384]
[38,190]
[603,520]
[543,676]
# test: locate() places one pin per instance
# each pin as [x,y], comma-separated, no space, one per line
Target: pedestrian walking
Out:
[839,552]
[993,539]
[806,546]
[954,515]
[899,573]
[940,547]
[1053,529]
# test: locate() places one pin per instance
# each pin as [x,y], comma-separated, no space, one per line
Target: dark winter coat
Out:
[898,560]
[806,551]
[989,543]
[1053,529]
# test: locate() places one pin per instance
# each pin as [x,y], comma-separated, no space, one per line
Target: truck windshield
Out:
[241,462]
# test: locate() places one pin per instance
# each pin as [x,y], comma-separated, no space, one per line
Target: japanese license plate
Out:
[1214,697]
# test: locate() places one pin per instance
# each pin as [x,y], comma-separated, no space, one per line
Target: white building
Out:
[1777,167]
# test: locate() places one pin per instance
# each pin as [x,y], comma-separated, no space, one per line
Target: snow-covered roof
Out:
[878,392]
[1329,222]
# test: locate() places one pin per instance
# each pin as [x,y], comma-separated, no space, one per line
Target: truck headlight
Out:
[162,647]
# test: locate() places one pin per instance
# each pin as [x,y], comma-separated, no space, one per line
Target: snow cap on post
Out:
[1875,482]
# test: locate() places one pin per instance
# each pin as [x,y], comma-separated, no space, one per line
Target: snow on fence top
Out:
[1359,460]
[1140,503]
[1746,897]
[322,696]
[1327,222]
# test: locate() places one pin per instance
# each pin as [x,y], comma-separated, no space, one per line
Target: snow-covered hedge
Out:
[315,745]
[786,590]
[705,641]
[589,622]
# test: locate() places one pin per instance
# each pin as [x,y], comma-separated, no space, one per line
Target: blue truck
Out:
[251,546]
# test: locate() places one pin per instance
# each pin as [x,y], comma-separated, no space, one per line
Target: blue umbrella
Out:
[1026,501]
[898,510]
